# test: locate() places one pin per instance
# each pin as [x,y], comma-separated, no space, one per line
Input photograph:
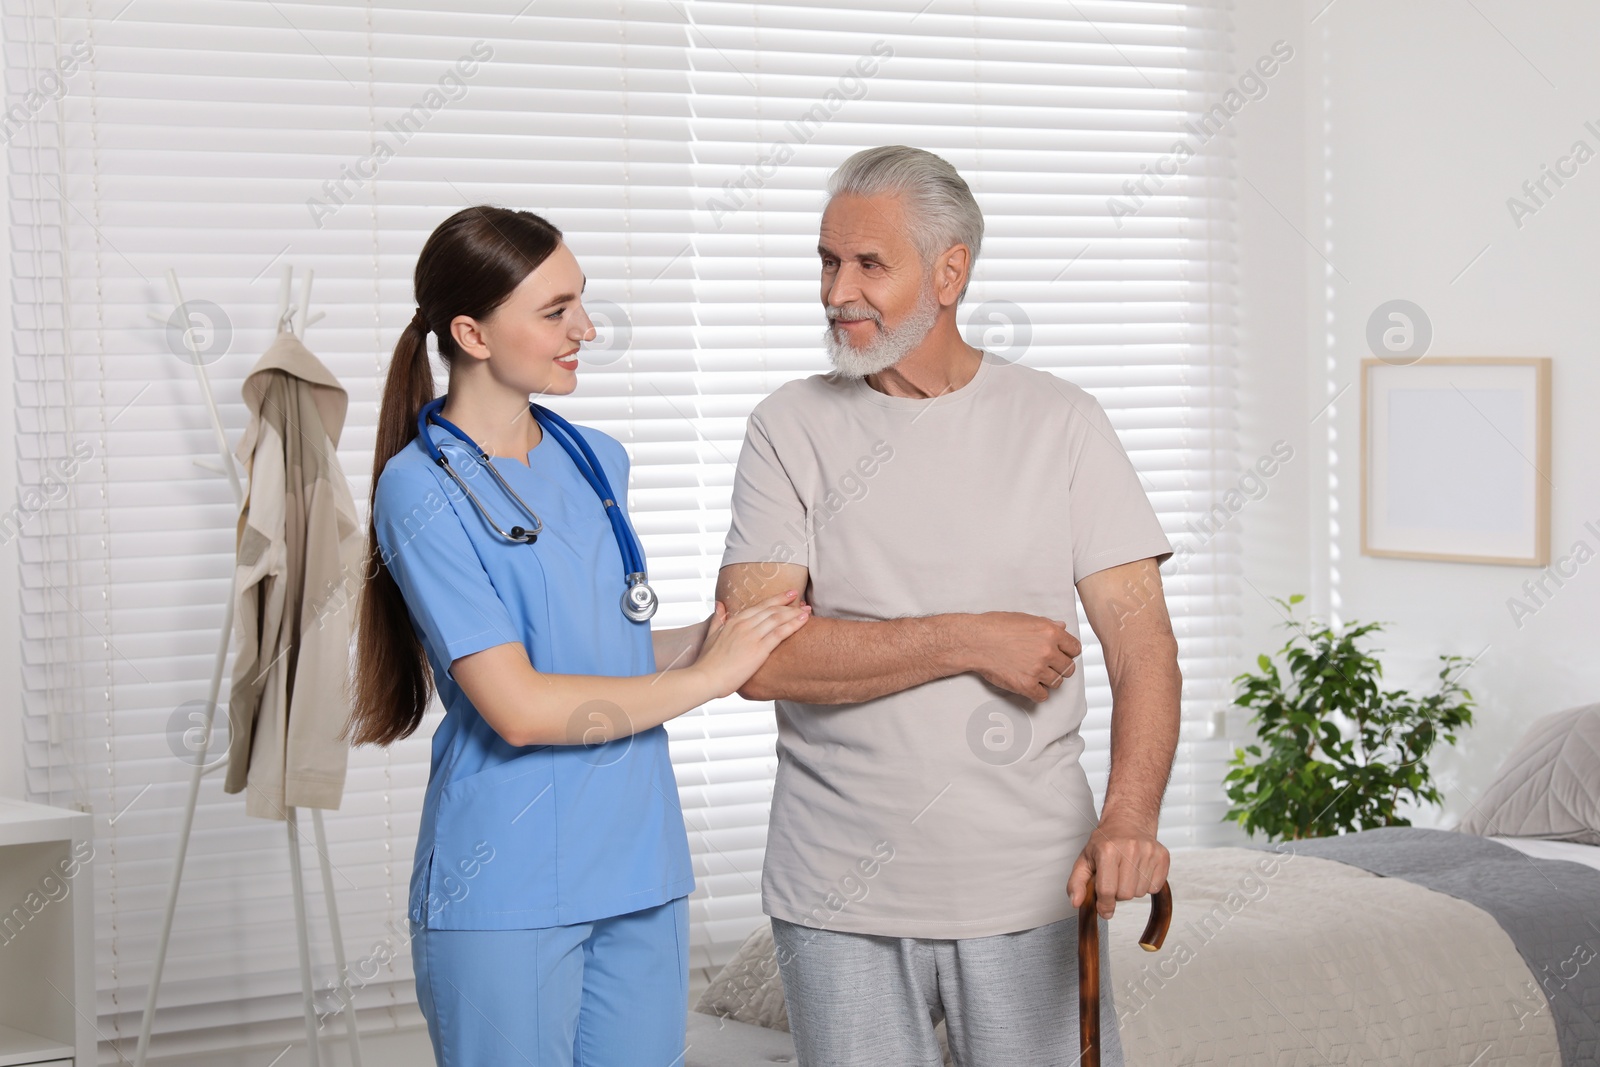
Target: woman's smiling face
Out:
[534,335]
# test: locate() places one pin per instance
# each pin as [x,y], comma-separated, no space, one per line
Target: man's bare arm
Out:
[1128,612]
[848,661]
[844,661]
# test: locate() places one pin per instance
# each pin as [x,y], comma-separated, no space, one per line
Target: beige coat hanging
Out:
[295,578]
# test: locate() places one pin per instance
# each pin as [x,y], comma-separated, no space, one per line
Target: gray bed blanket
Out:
[1549,908]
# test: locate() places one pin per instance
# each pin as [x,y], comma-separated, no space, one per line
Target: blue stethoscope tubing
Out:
[639,601]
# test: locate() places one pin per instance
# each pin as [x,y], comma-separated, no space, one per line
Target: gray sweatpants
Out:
[1010,1000]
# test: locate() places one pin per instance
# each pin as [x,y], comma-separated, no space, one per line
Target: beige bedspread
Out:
[1279,960]
[1292,960]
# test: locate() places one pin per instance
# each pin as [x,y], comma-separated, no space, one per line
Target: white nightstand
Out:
[47,999]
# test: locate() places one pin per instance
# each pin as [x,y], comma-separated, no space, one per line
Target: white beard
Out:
[890,346]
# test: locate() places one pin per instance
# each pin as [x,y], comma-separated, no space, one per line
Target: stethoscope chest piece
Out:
[639,602]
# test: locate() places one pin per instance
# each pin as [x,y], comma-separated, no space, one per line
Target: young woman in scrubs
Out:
[547,905]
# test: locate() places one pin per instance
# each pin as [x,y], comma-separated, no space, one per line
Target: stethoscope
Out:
[639,601]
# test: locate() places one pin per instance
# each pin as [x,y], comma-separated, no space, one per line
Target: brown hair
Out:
[468,266]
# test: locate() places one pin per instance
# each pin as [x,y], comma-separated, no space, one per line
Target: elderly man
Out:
[932,830]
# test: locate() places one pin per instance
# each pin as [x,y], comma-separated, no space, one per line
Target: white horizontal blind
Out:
[227,138]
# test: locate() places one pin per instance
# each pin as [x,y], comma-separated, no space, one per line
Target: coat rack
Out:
[287,317]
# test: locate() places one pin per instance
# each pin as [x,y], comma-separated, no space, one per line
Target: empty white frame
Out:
[1455,460]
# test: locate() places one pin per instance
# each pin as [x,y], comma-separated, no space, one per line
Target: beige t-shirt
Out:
[951,809]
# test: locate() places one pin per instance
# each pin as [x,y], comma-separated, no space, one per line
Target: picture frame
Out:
[1455,459]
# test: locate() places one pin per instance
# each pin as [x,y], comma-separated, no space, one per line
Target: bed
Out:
[1395,945]
[1472,947]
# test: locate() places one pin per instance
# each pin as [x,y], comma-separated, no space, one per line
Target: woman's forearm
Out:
[527,707]
[579,709]
[680,646]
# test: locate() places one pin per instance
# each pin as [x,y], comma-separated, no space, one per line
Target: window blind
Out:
[682,145]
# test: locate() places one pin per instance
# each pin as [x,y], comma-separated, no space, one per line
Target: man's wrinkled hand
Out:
[1124,859]
[1023,654]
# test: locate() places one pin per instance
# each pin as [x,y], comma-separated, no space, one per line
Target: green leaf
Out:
[1341,752]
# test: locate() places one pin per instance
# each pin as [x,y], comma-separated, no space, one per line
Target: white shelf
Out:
[26,824]
[47,959]
[18,1047]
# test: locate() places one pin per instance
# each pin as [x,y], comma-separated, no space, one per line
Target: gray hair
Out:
[938,202]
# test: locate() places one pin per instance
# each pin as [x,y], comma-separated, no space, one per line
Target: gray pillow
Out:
[1549,786]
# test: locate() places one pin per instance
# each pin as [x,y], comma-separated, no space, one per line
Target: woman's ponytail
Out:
[468,266]
[392,683]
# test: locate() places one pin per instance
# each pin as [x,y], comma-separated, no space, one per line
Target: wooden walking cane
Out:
[1155,932]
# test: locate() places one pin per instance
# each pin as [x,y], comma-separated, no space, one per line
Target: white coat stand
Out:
[287,318]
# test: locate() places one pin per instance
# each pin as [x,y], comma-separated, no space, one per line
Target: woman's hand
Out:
[737,645]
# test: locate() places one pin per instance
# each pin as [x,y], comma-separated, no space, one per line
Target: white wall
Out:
[1419,121]
[1276,386]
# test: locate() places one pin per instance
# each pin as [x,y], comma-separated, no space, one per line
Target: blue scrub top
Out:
[540,835]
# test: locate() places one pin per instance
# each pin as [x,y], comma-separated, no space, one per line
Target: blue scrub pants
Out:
[608,993]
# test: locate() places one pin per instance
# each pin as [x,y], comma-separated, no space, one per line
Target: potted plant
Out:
[1336,752]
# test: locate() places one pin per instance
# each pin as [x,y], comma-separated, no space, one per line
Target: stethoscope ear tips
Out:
[526,537]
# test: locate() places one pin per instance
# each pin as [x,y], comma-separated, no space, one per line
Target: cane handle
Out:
[1155,933]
